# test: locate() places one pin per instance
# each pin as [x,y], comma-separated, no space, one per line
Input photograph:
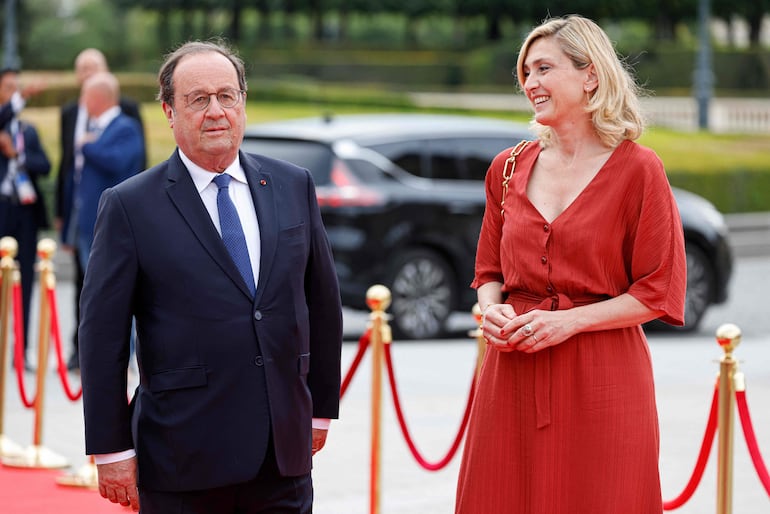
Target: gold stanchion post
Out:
[378,300]
[86,476]
[8,249]
[37,456]
[729,337]
[476,333]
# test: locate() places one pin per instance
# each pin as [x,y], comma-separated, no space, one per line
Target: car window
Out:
[316,157]
[474,155]
[408,155]
[456,158]
[367,172]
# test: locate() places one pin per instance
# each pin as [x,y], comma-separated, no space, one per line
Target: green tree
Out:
[753,11]
[666,15]
[52,42]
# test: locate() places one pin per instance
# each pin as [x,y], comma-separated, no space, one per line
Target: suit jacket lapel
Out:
[260,183]
[183,194]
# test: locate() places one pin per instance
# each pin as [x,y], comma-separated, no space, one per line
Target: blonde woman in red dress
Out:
[587,248]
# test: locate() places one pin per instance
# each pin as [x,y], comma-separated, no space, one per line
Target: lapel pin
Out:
[263,182]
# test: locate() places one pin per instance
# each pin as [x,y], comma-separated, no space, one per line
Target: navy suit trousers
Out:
[267,493]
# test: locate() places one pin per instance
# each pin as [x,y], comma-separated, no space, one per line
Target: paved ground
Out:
[434,378]
[433,383]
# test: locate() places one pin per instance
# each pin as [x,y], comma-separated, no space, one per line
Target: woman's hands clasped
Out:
[530,332]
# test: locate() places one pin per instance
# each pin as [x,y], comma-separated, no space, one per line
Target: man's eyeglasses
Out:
[227,98]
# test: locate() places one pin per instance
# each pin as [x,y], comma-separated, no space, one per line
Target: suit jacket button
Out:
[258,315]
[258,360]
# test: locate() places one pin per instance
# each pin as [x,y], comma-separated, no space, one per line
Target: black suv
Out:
[402,198]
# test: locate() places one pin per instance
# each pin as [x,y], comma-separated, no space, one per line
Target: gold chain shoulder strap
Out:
[508,167]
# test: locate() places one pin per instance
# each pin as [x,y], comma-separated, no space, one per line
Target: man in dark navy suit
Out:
[223,260]
[22,209]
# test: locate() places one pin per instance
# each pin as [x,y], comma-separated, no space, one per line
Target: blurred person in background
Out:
[22,209]
[74,120]
[112,150]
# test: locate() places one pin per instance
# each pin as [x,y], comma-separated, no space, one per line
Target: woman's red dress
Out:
[573,429]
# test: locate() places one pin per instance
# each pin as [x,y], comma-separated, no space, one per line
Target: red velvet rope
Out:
[751,440]
[363,344]
[405,431]
[703,457]
[57,342]
[18,355]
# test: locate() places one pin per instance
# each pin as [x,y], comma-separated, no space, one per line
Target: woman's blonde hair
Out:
[614,104]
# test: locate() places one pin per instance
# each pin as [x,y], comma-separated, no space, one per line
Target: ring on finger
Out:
[527,330]
[535,338]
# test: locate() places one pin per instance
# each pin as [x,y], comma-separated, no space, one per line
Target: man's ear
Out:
[169,112]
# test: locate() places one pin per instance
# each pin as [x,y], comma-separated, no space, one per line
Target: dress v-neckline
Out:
[575,200]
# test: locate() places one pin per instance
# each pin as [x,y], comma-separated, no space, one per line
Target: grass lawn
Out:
[159,138]
[703,152]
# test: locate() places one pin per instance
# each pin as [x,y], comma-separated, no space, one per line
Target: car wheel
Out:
[423,295]
[700,286]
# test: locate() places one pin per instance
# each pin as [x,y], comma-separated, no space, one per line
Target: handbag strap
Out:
[508,168]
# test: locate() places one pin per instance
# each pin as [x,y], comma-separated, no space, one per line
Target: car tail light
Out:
[345,190]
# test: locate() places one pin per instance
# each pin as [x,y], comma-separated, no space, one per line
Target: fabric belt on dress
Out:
[554,302]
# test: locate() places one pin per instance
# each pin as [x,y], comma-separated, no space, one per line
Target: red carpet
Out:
[35,491]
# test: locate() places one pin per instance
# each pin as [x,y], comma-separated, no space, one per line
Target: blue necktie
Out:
[232,231]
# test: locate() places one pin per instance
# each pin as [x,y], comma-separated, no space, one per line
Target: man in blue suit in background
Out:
[111,150]
[223,260]
[74,120]
[22,209]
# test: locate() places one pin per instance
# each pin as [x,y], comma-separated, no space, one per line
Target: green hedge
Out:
[746,71]
[731,192]
[661,70]
[62,88]
[302,89]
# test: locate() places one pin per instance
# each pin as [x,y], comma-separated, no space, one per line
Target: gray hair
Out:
[166,73]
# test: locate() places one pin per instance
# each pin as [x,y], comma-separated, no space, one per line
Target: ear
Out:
[169,112]
[591,80]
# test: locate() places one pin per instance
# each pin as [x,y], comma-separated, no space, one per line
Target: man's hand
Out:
[319,439]
[88,137]
[32,89]
[117,482]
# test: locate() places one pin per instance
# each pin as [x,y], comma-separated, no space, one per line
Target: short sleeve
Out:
[658,259]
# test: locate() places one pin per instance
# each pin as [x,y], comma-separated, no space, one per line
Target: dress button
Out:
[546,227]
[258,360]
[257,315]
[549,289]
[543,259]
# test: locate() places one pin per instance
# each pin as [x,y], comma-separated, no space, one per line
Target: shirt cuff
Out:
[322,423]
[109,458]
